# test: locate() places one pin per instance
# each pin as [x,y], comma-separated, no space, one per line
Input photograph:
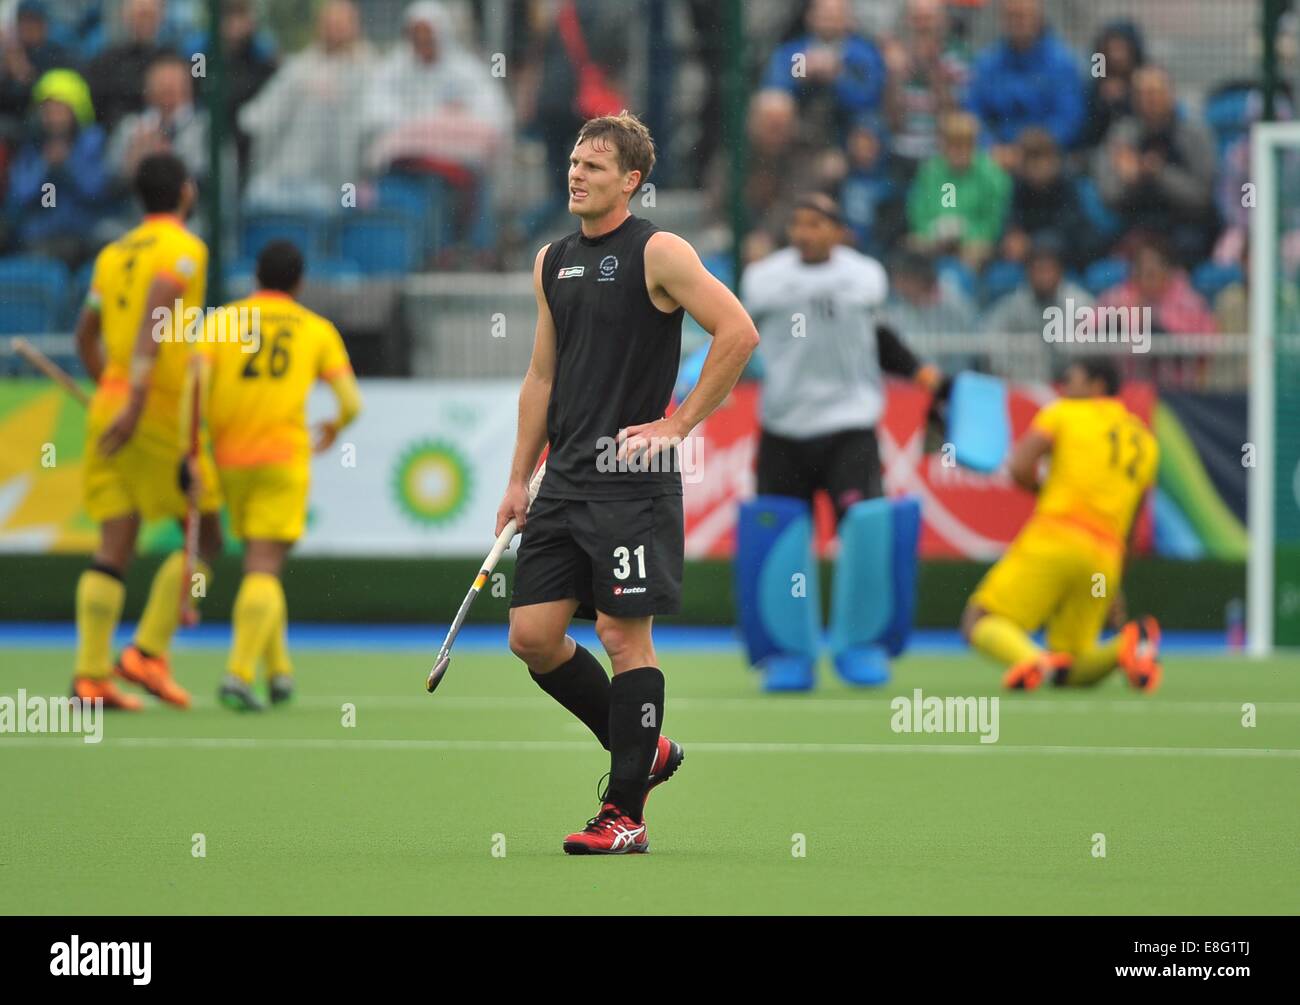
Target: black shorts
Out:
[845,465]
[622,557]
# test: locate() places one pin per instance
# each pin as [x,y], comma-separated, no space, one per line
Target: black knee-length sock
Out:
[636,713]
[582,686]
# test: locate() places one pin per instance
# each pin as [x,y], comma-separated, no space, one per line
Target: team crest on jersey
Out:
[608,269]
[571,273]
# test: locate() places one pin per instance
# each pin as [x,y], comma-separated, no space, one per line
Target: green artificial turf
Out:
[410,809]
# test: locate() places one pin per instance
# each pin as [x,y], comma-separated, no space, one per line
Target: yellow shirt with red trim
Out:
[160,247]
[1103,461]
[266,352]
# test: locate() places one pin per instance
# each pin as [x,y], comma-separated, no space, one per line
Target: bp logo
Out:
[431,482]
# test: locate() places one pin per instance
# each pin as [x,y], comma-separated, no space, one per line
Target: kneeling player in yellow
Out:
[130,337]
[266,352]
[1064,568]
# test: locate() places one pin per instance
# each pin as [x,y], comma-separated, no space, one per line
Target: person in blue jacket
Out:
[835,74]
[1029,77]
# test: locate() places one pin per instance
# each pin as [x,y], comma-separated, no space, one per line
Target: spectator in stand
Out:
[250,58]
[1110,95]
[1045,286]
[26,54]
[1158,283]
[958,201]
[1045,201]
[1027,78]
[927,75]
[306,124]
[59,182]
[169,123]
[433,106]
[834,74]
[873,192]
[922,304]
[116,75]
[780,165]
[1157,169]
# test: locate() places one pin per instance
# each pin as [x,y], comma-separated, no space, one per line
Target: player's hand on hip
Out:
[121,430]
[514,506]
[643,443]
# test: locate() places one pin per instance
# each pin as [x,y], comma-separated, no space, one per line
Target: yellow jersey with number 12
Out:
[1103,461]
[266,352]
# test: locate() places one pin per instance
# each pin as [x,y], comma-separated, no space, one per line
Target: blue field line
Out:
[483,638]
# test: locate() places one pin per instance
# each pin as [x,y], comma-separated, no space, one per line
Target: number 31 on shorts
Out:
[624,557]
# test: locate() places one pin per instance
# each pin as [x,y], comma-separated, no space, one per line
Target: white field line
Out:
[397,702]
[585,746]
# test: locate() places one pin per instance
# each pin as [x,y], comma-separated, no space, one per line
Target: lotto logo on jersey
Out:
[621,590]
[571,273]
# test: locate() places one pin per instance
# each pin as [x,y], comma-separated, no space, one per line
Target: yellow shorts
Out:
[267,501]
[141,478]
[1058,576]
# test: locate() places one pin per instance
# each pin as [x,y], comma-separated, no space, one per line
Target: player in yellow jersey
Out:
[1064,568]
[265,353]
[131,338]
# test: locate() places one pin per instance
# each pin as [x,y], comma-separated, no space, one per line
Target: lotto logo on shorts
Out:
[620,590]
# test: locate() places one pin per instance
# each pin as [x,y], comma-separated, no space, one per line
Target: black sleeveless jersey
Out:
[617,356]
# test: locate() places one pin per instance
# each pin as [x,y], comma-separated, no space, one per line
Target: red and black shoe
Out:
[668,758]
[609,832]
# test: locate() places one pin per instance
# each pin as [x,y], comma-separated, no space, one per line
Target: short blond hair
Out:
[630,137]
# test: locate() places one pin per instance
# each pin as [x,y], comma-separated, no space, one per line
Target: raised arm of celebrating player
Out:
[533,397]
[676,277]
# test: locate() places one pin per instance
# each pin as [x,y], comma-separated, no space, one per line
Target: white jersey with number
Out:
[817,327]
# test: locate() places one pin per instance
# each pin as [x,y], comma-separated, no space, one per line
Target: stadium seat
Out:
[309,232]
[380,243]
[1211,278]
[1103,275]
[32,295]
[999,279]
[426,199]
[720,265]
[955,271]
[76,295]
[1104,221]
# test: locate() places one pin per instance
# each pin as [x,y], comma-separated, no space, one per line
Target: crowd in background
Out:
[991,180]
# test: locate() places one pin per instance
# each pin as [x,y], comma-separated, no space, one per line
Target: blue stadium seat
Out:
[1103,275]
[1211,278]
[1105,221]
[426,199]
[955,271]
[32,295]
[999,279]
[720,265]
[309,232]
[380,243]
[77,293]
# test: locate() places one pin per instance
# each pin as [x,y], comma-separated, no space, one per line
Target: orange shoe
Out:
[1139,653]
[1028,675]
[153,673]
[90,688]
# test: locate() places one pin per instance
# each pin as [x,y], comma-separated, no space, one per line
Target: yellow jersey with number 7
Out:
[1103,460]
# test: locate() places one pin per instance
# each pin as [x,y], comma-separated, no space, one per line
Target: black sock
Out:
[581,686]
[636,712]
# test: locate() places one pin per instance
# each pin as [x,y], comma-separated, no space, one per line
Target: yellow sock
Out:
[276,656]
[259,609]
[99,606]
[162,612]
[1003,641]
[1094,665]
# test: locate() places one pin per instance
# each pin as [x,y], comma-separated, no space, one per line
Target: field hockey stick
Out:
[189,612]
[443,661]
[50,368]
